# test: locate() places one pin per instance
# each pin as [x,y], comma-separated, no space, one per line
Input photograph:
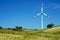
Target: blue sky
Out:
[20,12]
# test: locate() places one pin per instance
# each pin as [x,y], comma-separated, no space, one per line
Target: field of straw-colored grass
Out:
[46,34]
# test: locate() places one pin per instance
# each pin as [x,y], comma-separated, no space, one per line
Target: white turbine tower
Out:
[42,14]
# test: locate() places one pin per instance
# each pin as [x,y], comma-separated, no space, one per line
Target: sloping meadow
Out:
[45,34]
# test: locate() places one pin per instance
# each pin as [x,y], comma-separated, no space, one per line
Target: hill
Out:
[45,34]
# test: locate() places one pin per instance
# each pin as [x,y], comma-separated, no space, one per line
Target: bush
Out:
[14,29]
[35,29]
[9,28]
[18,28]
[50,25]
[0,27]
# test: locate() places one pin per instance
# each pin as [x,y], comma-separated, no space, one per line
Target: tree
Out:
[13,29]
[18,28]
[9,28]
[50,25]
[0,27]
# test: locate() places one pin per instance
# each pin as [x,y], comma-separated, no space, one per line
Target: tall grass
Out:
[45,34]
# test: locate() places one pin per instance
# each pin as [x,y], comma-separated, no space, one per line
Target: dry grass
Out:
[48,34]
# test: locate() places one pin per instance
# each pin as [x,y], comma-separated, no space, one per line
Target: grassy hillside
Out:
[45,34]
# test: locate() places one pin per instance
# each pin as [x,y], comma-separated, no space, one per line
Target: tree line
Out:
[19,28]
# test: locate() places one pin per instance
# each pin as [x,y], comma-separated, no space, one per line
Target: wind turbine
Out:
[42,14]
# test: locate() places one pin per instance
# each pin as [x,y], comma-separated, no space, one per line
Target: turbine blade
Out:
[37,15]
[33,16]
[46,15]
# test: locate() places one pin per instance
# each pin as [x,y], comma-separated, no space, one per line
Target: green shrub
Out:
[18,28]
[50,25]
[0,27]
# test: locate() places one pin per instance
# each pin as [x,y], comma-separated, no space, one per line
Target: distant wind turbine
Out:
[42,14]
